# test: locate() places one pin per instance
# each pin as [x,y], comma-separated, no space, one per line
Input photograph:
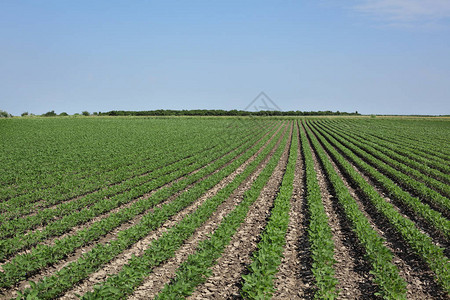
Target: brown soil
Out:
[226,274]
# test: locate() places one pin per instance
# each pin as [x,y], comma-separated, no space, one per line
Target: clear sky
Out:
[370,56]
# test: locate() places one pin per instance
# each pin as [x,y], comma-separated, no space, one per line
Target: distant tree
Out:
[49,114]
[24,114]
[95,113]
[4,114]
[85,113]
[63,114]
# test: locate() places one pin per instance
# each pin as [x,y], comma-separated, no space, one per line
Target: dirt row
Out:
[351,270]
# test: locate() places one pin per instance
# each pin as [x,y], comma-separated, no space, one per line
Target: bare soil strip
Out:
[165,272]
[351,269]
[226,274]
[52,269]
[291,282]
[420,279]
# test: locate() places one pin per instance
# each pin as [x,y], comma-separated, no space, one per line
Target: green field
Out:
[224,207]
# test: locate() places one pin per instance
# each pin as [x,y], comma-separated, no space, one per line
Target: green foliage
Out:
[4,114]
[63,114]
[219,112]
[24,114]
[401,159]
[85,113]
[49,114]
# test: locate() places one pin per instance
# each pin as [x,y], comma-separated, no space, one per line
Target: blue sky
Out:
[370,56]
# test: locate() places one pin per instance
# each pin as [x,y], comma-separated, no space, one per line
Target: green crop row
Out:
[17,226]
[90,168]
[402,179]
[258,284]
[425,134]
[65,188]
[43,216]
[386,275]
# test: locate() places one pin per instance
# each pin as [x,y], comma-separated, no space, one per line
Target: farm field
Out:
[224,208]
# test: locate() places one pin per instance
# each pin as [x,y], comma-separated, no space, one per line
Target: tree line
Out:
[219,112]
[193,112]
